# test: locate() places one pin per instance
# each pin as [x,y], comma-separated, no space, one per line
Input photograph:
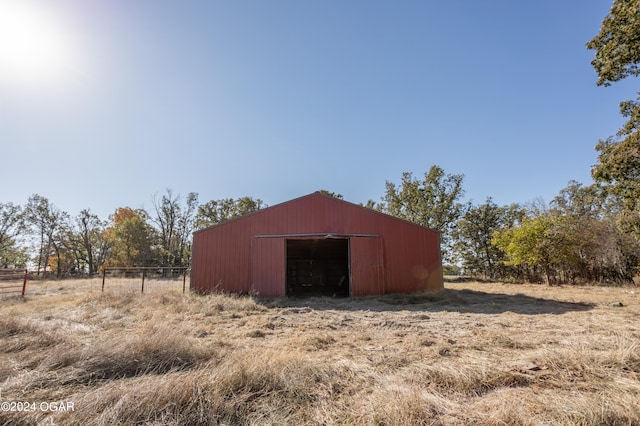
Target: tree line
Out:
[53,242]
[583,235]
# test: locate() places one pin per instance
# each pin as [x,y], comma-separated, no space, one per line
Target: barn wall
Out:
[367,266]
[268,266]
[409,254]
[222,264]
[412,258]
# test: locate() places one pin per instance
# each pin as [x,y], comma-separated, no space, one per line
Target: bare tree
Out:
[175,224]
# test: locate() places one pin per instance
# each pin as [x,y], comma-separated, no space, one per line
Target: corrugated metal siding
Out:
[268,267]
[223,262]
[367,277]
[197,269]
[410,253]
[412,258]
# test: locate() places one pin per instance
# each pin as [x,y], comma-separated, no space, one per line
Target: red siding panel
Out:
[367,277]
[412,258]
[268,260]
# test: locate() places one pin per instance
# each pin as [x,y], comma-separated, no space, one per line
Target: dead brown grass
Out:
[487,354]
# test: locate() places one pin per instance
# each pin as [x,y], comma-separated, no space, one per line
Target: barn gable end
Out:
[316,245]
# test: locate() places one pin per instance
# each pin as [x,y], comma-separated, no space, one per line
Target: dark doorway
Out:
[318,267]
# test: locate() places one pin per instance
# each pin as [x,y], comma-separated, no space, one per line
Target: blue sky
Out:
[277,99]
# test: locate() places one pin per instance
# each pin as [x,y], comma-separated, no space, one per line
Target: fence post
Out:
[184,280]
[144,272]
[24,284]
[104,273]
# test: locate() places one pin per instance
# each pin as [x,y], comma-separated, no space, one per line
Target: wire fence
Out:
[145,279]
[13,281]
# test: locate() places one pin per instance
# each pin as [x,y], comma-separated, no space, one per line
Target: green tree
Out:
[607,253]
[370,204]
[619,169]
[568,248]
[617,45]
[577,238]
[14,256]
[216,211]
[86,240]
[617,56]
[46,220]
[433,202]
[61,259]
[474,233]
[531,244]
[617,53]
[579,200]
[332,194]
[594,222]
[12,226]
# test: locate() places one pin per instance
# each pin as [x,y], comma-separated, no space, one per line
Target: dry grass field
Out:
[485,354]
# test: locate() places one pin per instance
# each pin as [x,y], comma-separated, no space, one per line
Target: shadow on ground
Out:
[463,301]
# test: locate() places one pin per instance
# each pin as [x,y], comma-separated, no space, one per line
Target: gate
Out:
[13,281]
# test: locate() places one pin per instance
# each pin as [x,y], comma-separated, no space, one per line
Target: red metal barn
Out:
[316,245]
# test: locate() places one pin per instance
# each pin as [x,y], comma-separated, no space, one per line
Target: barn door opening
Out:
[318,267]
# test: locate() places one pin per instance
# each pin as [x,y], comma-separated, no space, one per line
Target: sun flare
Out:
[35,49]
